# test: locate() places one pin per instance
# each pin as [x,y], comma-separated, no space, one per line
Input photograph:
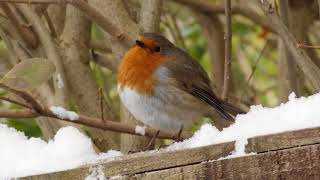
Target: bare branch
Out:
[92,122]
[104,61]
[92,13]
[26,96]
[99,45]
[304,62]
[207,7]
[83,86]
[150,15]
[228,46]
[14,101]
[288,76]
[28,37]
[299,45]
[253,71]
[50,50]
[50,24]
[103,21]
[174,30]
[26,113]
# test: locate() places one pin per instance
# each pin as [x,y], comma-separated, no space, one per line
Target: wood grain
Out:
[201,162]
[294,163]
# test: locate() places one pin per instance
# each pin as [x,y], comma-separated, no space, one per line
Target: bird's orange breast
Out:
[137,70]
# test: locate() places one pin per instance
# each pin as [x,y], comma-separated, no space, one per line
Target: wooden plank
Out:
[283,140]
[146,162]
[141,162]
[294,163]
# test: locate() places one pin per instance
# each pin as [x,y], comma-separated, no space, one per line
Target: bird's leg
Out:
[149,145]
[178,138]
[151,142]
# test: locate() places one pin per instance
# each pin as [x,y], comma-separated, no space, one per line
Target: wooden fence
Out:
[289,155]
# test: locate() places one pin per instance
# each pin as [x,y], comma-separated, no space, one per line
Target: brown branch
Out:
[92,13]
[104,61]
[51,51]
[92,122]
[50,24]
[289,72]
[37,110]
[26,96]
[253,71]
[101,103]
[299,45]
[100,45]
[150,15]
[34,1]
[228,46]
[14,101]
[102,21]
[174,30]
[207,7]
[12,113]
[310,70]
[28,36]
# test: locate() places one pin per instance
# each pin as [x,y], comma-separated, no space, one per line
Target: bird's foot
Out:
[150,144]
[178,137]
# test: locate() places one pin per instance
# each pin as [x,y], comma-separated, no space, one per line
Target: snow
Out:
[20,156]
[60,83]
[96,173]
[64,114]
[297,113]
[140,130]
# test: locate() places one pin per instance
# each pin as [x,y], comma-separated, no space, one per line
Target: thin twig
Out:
[28,37]
[228,47]
[101,103]
[50,24]
[299,45]
[207,7]
[309,69]
[104,61]
[91,12]
[26,96]
[253,71]
[37,111]
[14,101]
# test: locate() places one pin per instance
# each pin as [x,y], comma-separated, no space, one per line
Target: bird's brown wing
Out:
[192,78]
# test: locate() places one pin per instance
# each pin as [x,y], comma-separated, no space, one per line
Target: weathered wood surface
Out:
[142,164]
[293,163]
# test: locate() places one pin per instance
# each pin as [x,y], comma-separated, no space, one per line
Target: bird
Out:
[163,87]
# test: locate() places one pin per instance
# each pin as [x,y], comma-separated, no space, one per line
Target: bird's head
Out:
[142,60]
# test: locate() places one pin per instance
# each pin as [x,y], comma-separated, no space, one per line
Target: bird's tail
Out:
[228,111]
[232,109]
[227,114]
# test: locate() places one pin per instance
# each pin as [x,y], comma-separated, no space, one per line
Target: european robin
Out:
[165,88]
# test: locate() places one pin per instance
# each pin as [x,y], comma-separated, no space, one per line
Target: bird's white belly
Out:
[156,112]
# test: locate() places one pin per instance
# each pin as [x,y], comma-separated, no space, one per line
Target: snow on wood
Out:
[297,113]
[70,149]
[20,156]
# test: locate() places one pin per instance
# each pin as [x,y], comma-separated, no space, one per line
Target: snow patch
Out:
[64,114]
[96,173]
[140,130]
[297,113]
[20,156]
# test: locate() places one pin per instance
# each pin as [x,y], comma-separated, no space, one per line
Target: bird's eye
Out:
[140,43]
[157,49]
